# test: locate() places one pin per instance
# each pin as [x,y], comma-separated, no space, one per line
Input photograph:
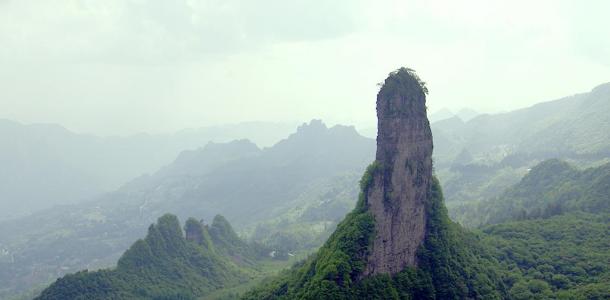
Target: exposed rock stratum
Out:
[400,187]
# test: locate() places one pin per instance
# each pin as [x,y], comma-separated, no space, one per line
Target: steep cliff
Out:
[398,243]
[401,186]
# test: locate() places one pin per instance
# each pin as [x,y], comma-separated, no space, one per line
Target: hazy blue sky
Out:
[120,66]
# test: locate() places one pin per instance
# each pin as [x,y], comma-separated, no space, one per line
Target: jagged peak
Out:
[163,265]
[399,228]
[319,128]
[316,135]
[344,130]
[314,126]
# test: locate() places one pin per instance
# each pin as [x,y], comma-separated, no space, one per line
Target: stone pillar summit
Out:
[401,185]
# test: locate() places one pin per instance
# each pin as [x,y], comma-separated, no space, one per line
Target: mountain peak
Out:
[197,232]
[400,225]
[314,126]
[401,185]
[163,265]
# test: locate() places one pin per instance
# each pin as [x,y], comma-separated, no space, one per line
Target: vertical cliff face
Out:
[399,225]
[402,182]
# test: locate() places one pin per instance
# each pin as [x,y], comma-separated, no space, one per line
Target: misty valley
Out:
[304,150]
[529,187]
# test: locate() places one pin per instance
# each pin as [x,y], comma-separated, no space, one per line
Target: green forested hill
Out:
[164,265]
[478,159]
[227,243]
[553,242]
[452,265]
[551,232]
[552,187]
[562,257]
[571,127]
[300,188]
[554,257]
[292,195]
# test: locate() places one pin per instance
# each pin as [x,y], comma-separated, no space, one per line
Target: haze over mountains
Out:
[64,167]
[465,114]
[168,263]
[552,187]
[398,242]
[309,168]
[310,150]
[550,232]
[45,165]
[477,159]
[290,195]
[574,127]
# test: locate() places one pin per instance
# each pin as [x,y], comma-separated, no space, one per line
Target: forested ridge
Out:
[548,254]
[453,266]
[446,263]
[551,188]
[165,265]
[475,161]
[561,257]
[545,237]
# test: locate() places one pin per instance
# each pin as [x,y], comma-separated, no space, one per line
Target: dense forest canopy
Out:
[551,188]
[167,264]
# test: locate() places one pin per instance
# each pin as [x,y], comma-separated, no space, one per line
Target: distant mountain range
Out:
[313,167]
[270,181]
[551,188]
[550,232]
[289,196]
[465,114]
[478,159]
[43,165]
[574,127]
[398,241]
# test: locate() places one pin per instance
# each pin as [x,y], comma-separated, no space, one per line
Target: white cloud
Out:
[162,31]
[163,65]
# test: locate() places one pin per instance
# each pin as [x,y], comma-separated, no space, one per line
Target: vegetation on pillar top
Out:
[401,81]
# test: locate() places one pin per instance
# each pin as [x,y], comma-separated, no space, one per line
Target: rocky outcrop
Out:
[195,231]
[399,225]
[401,183]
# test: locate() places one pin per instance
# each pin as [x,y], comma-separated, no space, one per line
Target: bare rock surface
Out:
[402,182]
